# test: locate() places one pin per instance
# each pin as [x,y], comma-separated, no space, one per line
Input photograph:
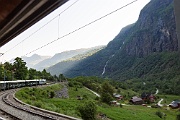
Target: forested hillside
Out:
[65,65]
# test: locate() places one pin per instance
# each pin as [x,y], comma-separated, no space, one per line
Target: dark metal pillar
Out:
[177,16]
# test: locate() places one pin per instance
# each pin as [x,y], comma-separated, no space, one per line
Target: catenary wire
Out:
[42,26]
[81,27]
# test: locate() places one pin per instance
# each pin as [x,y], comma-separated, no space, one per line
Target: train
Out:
[4,85]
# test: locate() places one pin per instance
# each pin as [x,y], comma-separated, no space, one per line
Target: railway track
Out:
[21,111]
[5,115]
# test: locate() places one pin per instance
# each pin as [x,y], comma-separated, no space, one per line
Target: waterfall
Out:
[104,69]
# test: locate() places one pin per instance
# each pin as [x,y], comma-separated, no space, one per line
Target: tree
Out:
[61,77]
[8,70]
[107,92]
[32,74]
[20,68]
[88,110]
[46,75]
[52,94]
[8,66]
[1,72]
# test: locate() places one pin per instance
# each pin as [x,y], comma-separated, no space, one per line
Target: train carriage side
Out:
[2,85]
[20,83]
[42,81]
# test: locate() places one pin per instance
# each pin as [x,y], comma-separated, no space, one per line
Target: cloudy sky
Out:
[80,13]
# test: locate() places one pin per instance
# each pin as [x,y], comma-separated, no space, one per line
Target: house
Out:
[114,102]
[175,104]
[148,96]
[118,96]
[136,100]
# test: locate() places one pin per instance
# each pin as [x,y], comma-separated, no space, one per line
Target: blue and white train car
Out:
[42,81]
[21,83]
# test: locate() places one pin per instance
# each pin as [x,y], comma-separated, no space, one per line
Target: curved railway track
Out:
[21,111]
[3,114]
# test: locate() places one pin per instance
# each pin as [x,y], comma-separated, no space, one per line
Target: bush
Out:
[154,106]
[85,97]
[178,117]
[97,98]
[52,94]
[159,114]
[38,104]
[106,98]
[75,84]
[87,111]
[107,92]
[121,105]
[71,84]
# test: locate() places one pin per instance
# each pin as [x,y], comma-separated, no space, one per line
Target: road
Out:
[93,92]
[159,103]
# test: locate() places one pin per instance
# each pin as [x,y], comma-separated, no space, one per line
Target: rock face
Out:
[126,56]
[155,30]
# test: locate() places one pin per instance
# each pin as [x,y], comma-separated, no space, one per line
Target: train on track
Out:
[4,85]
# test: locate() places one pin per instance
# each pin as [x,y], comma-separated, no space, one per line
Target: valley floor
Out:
[69,105]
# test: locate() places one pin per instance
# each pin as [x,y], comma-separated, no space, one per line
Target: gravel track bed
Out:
[63,93]
[3,114]
[20,114]
[26,112]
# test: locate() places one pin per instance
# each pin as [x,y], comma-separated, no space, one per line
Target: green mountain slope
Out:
[142,52]
[154,32]
[66,65]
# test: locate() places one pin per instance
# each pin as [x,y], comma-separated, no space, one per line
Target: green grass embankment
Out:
[41,97]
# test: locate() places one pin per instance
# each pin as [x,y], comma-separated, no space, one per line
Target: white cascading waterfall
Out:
[104,69]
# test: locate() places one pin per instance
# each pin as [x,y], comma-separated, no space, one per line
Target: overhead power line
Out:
[42,26]
[82,27]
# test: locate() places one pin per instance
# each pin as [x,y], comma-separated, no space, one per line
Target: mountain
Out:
[67,64]
[34,59]
[60,57]
[153,33]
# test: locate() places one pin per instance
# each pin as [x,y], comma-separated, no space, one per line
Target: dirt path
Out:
[93,92]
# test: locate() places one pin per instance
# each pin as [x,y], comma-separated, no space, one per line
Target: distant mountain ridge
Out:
[34,59]
[67,64]
[41,62]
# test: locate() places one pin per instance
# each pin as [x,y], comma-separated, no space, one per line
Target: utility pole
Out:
[1,54]
[4,78]
[177,18]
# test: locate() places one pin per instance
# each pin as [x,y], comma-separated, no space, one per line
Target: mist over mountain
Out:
[65,65]
[34,59]
[39,62]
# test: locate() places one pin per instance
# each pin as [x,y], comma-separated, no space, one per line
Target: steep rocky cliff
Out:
[155,30]
[132,52]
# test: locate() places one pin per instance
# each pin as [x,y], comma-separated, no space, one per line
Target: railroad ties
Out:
[20,110]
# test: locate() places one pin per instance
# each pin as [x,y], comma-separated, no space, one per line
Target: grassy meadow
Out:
[41,97]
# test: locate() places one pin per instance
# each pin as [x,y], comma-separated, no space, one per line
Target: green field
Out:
[168,98]
[40,97]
